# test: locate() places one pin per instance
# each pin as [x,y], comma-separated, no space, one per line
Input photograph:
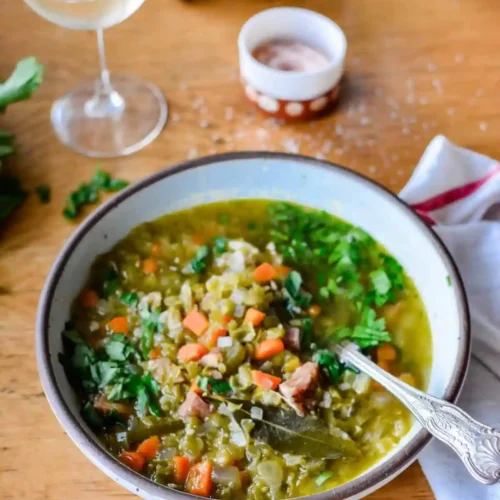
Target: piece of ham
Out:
[213,359]
[292,338]
[301,384]
[194,406]
[104,406]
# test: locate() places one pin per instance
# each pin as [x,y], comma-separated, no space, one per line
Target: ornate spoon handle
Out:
[477,445]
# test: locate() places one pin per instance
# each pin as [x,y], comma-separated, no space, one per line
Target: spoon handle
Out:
[477,445]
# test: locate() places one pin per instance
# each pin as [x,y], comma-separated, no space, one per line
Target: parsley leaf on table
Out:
[43,191]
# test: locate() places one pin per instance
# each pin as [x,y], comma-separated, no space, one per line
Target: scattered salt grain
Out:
[479,92]
[436,83]
[372,169]
[229,113]
[423,101]
[483,126]
[400,172]
[198,103]
[450,111]
[175,117]
[262,133]
[459,58]
[204,124]
[182,86]
[394,157]
[319,156]
[371,143]
[379,92]
[394,115]
[365,120]
[290,145]
[431,67]
[192,154]
[339,130]
[406,131]
[327,147]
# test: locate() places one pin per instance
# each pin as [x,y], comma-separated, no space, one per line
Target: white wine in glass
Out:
[113,115]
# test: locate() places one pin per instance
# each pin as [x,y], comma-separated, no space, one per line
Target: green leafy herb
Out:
[296,298]
[448,280]
[149,325]
[129,299]
[329,363]
[220,245]
[322,478]
[386,281]
[21,84]
[199,261]
[370,332]
[306,333]
[110,372]
[11,195]
[252,226]
[87,194]
[208,384]
[43,191]
[110,280]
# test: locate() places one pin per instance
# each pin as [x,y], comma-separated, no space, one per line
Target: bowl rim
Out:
[96,452]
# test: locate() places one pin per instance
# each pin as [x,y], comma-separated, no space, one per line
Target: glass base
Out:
[103,126]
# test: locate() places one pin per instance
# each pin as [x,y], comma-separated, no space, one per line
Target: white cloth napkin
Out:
[459,191]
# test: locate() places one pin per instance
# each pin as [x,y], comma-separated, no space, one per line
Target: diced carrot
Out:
[198,239]
[212,337]
[283,271]
[264,380]
[89,298]
[191,352]
[268,348]
[196,322]
[155,353]
[254,316]
[194,388]
[133,460]
[408,378]
[119,324]
[155,249]
[226,319]
[386,352]
[149,447]
[149,266]
[384,364]
[265,272]
[314,310]
[199,480]
[181,469]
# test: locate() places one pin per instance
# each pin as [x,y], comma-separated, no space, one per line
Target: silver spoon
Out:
[477,445]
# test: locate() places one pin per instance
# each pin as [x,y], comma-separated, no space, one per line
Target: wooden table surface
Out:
[414,70]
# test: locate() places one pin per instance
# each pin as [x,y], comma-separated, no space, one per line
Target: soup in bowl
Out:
[195,348]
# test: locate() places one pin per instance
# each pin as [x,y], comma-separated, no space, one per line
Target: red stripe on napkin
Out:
[455,194]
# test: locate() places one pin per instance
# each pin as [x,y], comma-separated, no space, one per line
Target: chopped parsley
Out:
[87,194]
[108,371]
[224,219]
[149,325]
[323,477]
[129,299]
[43,191]
[448,280]
[329,362]
[110,280]
[199,261]
[296,298]
[220,245]
[209,384]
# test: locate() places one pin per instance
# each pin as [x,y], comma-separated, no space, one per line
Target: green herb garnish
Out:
[87,194]
[209,384]
[322,478]
[369,332]
[110,280]
[149,325]
[224,219]
[199,261]
[448,280]
[109,371]
[43,191]
[220,245]
[329,363]
[296,298]
[129,299]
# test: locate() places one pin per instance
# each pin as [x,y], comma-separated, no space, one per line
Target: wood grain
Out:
[414,70]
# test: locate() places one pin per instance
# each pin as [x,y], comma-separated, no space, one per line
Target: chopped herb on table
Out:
[44,192]
[21,84]
[88,194]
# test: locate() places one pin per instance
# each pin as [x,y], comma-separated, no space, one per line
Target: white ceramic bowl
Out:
[259,175]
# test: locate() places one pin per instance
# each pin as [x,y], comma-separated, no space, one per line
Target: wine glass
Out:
[113,115]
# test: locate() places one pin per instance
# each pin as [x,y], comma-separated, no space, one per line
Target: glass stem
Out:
[106,101]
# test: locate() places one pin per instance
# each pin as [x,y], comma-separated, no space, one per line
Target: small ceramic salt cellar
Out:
[291,62]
